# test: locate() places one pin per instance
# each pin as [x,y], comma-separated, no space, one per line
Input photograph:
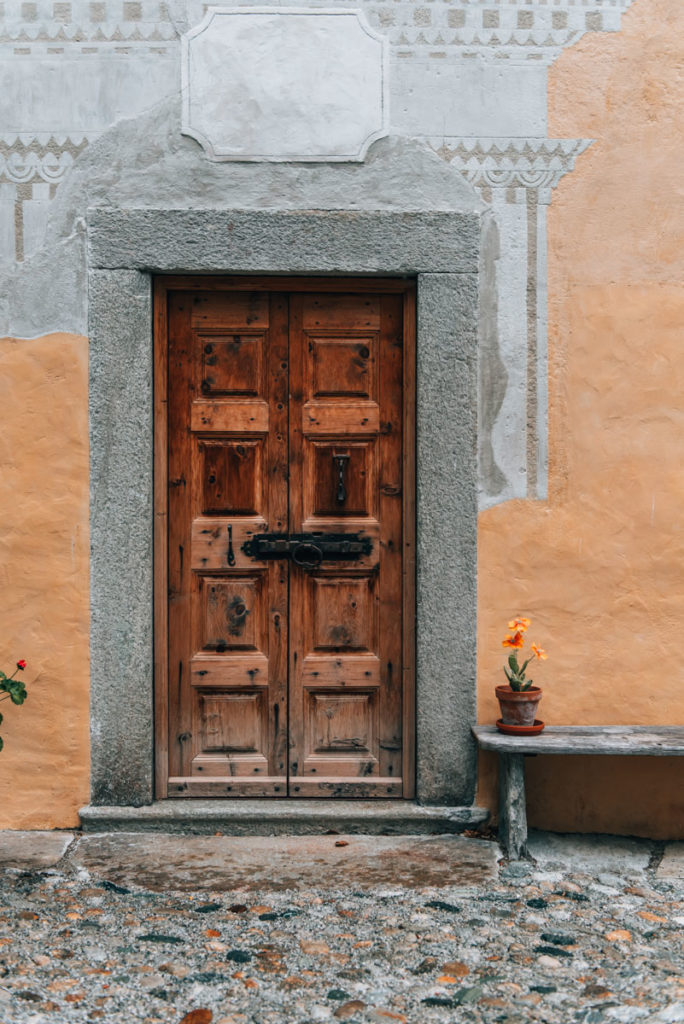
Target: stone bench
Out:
[624,740]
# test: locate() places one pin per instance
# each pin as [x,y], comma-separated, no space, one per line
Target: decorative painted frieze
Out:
[515,177]
[500,30]
[492,29]
[31,169]
[25,161]
[514,163]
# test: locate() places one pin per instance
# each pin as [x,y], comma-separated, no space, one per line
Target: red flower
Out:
[21,664]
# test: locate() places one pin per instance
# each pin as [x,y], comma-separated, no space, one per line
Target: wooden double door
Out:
[284,538]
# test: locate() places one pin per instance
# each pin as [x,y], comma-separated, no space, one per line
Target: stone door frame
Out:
[440,251]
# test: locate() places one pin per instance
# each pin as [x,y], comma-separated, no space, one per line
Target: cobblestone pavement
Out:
[592,932]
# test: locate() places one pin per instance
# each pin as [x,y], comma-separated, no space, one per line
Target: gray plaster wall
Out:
[466,79]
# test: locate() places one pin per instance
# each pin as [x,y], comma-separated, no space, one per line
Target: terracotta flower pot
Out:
[518,707]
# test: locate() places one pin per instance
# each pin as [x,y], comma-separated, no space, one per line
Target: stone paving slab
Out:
[672,864]
[222,863]
[593,853]
[33,850]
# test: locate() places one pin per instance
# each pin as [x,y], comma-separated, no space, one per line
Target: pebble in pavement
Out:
[534,945]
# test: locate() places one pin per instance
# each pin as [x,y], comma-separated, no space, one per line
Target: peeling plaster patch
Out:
[46,293]
[31,168]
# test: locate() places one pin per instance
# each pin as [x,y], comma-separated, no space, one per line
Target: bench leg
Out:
[512,813]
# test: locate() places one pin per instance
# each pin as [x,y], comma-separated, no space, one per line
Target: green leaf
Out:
[513,662]
[17,692]
[2,743]
[1,718]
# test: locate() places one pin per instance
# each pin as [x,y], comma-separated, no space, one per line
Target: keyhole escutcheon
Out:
[341,462]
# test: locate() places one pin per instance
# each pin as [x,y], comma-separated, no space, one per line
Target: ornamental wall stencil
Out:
[25,167]
[515,177]
[515,28]
[512,163]
[30,171]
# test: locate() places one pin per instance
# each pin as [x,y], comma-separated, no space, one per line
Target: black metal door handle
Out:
[308,550]
[341,462]
[307,555]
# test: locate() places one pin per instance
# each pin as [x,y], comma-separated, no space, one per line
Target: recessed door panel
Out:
[233,364]
[285,668]
[339,478]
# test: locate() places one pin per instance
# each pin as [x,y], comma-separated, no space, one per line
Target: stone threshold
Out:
[268,817]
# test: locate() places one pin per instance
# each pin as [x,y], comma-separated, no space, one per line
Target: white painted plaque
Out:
[278,84]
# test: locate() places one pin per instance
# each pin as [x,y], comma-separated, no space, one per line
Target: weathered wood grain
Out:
[619,740]
[346,682]
[628,740]
[512,809]
[265,388]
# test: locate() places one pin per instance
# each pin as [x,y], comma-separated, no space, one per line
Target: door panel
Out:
[284,415]
[227,473]
[345,619]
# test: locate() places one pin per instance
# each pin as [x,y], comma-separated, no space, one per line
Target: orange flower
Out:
[538,652]
[514,641]
[520,624]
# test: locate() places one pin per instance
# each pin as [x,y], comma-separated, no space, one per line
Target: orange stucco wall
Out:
[44,574]
[599,567]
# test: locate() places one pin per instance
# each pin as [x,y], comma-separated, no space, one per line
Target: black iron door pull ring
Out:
[231,553]
[307,555]
[341,466]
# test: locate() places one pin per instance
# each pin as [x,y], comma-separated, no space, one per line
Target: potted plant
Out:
[12,689]
[519,698]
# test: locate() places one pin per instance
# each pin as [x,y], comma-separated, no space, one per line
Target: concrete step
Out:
[283,817]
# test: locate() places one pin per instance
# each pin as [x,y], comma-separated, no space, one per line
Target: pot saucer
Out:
[520,730]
